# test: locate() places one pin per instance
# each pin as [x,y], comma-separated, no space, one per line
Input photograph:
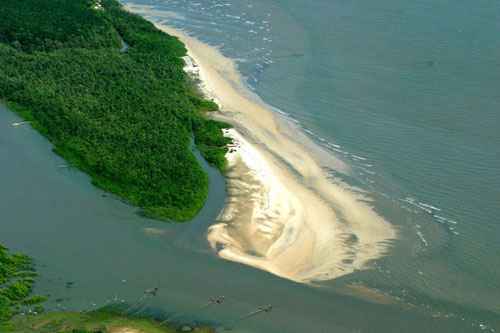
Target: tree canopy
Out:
[127,118]
[16,282]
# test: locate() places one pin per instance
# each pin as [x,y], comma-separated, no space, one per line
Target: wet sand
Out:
[283,214]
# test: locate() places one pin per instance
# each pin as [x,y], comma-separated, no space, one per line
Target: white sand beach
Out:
[283,214]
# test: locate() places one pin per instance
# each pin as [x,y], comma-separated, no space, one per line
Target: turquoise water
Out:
[404,92]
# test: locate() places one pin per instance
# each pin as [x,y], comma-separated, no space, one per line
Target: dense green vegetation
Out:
[126,118]
[16,282]
[94,322]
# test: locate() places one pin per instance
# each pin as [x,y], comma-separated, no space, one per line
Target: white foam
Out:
[429,206]
[422,238]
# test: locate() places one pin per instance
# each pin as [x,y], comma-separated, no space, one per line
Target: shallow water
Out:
[403,92]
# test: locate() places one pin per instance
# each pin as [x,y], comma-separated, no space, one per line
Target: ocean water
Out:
[406,93]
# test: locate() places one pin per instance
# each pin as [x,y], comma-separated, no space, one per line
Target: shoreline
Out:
[106,319]
[282,214]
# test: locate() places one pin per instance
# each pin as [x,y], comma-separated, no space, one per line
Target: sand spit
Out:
[282,214]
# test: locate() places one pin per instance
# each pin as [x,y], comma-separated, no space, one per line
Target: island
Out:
[108,89]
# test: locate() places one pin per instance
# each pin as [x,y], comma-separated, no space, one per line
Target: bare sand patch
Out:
[124,330]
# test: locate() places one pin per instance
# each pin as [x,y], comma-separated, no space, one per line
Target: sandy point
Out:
[283,214]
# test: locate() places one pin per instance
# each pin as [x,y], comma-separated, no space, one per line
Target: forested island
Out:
[108,90]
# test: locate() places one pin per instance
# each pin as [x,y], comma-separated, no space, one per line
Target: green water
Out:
[412,88]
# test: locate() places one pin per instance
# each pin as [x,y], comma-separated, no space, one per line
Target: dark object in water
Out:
[267,308]
[260,309]
[151,291]
[216,300]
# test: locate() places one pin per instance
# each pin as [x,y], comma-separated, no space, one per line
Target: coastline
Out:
[68,210]
[282,214]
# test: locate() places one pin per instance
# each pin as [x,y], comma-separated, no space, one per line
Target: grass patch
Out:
[93,322]
[16,283]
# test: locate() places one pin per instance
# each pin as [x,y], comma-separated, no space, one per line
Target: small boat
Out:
[267,308]
[151,291]
[20,123]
